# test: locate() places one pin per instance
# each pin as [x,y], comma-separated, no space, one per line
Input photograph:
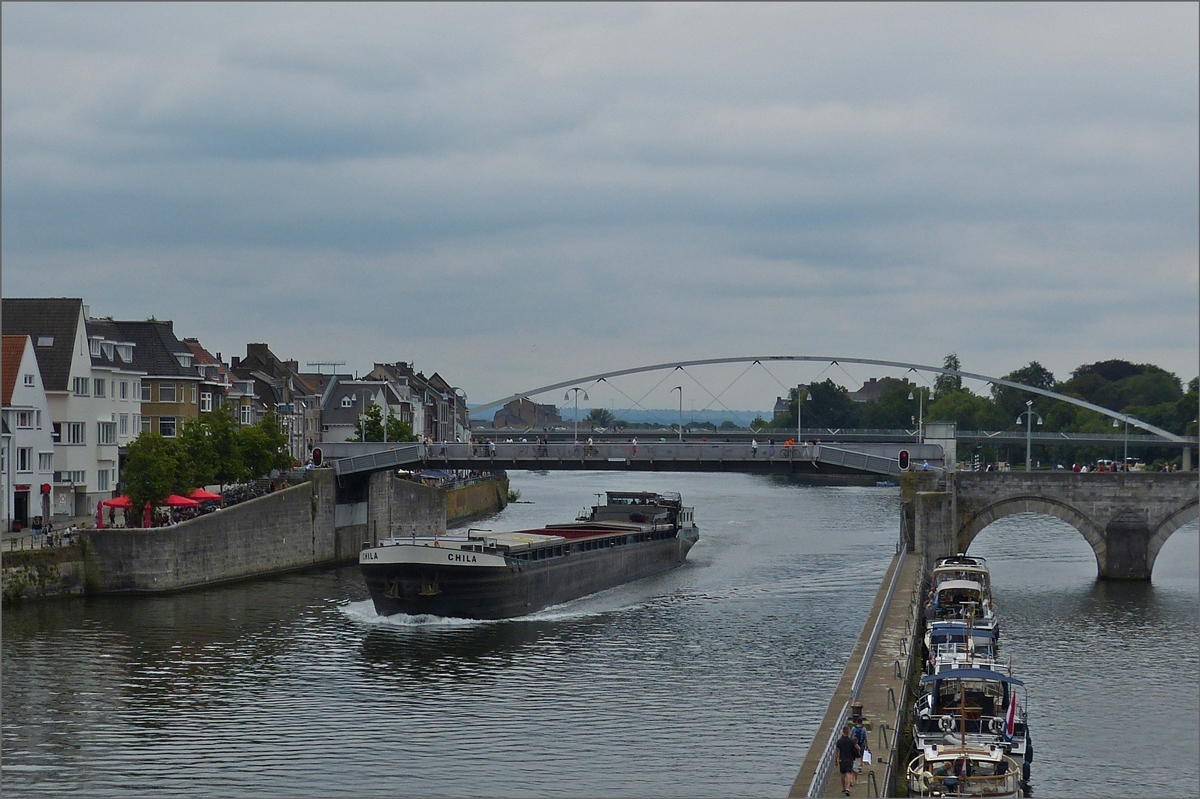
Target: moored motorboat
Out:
[493,575]
[977,770]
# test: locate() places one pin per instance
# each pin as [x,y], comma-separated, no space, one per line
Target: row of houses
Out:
[78,388]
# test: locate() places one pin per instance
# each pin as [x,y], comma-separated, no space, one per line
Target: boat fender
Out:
[946,723]
[996,725]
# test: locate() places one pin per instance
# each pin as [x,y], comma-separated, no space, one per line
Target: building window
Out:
[194,389]
[124,389]
[145,392]
[247,414]
[142,423]
[70,477]
[125,352]
[107,433]
[95,346]
[79,386]
[45,341]
[99,386]
[166,392]
[45,461]
[24,459]
[205,401]
[38,419]
[24,418]
[166,426]
[29,380]
[347,402]
[76,433]
[56,432]
[124,424]
[102,480]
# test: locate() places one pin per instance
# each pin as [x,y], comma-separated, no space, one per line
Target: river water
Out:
[707,681]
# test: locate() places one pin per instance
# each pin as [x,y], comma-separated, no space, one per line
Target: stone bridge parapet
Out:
[1126,517]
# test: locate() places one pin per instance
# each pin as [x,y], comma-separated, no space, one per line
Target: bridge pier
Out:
[1127,537]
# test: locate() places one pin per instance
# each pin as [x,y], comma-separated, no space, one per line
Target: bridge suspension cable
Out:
[916,367]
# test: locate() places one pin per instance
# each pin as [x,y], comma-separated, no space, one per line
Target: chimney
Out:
[87,311]
[234,362]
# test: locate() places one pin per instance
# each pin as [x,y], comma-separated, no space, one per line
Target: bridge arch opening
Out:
[1033,507]
[1028,547]
[1184,518]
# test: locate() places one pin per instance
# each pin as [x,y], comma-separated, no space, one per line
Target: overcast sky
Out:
[517,195]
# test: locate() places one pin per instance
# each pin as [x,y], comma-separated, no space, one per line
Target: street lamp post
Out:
[920,412]
[1125,462]
[680,390]
[799,414]
[1029,413]
[567,396]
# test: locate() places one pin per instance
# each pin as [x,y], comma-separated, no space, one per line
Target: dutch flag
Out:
[1010,719]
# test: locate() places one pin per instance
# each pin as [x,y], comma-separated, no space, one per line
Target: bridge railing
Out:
[697,452]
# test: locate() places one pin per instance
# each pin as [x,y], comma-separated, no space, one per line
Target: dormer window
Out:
[347,402]
[184,360]
[125,352]
[107,349]
[95,347]
[45,341]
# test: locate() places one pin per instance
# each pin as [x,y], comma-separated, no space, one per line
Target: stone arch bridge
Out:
[1126,517]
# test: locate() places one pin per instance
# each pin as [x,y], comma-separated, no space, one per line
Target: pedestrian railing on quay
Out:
[35,541]
[821,774]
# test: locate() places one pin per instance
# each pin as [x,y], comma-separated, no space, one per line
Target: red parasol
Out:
[176,501]
[147,517]
[119,502]
[99,515]
[204,496]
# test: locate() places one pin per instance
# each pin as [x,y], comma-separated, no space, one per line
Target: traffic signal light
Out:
[316,456]
[903,459]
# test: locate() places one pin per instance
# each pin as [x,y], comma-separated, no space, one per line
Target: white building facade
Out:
[27,453]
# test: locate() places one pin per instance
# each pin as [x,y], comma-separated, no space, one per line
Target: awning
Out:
[176,501]
[203,495]
[119,502]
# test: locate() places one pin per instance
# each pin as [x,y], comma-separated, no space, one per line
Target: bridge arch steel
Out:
[1032,503]
[915,367]
[1189,512]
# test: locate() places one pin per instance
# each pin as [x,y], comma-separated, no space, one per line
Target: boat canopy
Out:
[971,674]
[960,585]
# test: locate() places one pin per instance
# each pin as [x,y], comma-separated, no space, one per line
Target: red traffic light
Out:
[902,458]
[316,456]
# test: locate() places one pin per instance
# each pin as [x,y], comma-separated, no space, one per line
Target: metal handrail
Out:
[821,774]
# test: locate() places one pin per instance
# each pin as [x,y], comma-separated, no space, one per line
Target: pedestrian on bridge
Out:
[753,448]
[634,443]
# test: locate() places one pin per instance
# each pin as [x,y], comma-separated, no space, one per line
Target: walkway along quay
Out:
[316,523]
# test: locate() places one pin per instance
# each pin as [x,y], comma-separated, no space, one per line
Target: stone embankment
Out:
[300,527]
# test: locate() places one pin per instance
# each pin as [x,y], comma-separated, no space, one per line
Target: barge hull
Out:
[520,587]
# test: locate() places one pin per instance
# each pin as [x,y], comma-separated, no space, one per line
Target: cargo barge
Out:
[490,575]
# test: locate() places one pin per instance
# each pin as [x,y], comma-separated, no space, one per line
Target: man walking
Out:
[847,750]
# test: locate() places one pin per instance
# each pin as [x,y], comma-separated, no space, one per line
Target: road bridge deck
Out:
[871,459]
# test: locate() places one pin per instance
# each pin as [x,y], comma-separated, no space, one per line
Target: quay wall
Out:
[288,530]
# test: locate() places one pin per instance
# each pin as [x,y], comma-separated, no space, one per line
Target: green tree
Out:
[969,411]
[199,455]
[758,423]
[375,426]
[945,384]
[263,447]
[894,410]
[600,417]
[223,437]
[1010,401]
[151,472]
